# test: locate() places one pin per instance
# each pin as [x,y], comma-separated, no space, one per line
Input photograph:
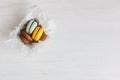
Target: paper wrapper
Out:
[47,24]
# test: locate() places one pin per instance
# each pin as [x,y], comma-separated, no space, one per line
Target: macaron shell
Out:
[43,37]
[33,26]
[35,32]
[39,34]
[24,40]
[29,25]
[26,35]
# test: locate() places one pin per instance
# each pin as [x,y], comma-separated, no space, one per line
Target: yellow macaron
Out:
[37,33]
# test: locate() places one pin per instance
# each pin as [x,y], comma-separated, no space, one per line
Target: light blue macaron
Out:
[32,24]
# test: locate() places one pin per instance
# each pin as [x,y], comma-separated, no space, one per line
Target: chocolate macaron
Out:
[43,37]
[25,37]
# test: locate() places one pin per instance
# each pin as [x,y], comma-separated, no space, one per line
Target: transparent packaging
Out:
[47,24]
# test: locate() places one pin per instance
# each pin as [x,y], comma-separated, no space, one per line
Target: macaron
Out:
[31,25]
[25,37]
[43,37]
[37,33]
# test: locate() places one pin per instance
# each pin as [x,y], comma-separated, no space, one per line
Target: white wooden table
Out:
[86,44]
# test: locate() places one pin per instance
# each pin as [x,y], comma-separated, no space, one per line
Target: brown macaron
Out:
[25,37]
[43,37]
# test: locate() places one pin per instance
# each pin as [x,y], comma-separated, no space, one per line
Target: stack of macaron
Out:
[33,32]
